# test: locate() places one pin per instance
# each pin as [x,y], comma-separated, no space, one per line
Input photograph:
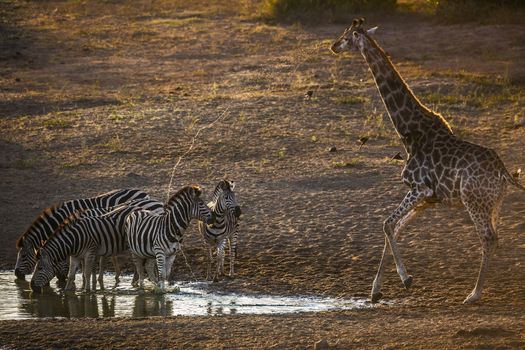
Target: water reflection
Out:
[152,305]
[191,299]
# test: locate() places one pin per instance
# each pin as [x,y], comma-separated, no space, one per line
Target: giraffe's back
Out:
[448,164]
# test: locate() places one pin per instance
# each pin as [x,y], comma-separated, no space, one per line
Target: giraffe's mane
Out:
[387,59]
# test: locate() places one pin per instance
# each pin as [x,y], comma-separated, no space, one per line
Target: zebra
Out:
[83,240]
[224,230]
[62,267]
[156,236]
[52,217]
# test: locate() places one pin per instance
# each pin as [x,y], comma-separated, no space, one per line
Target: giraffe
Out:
[440,167]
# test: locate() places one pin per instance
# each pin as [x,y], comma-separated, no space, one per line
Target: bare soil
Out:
[97,96]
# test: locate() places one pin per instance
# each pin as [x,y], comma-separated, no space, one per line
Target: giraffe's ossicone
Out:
[440,166]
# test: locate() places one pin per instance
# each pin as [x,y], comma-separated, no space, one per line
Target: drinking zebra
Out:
[83,240]
[150,235]
[51,218]
[224,230]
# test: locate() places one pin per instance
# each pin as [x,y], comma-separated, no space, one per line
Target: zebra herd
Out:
[75,233]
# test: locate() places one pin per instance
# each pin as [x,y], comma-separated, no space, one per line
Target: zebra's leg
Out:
[74,263]
[62,273]
[233,251]
[94,276]
[139,269]
[169,264]
[116,266]
[150,269]
[102,270]
[89,262]
[209,261]
[219,268]
[161,266]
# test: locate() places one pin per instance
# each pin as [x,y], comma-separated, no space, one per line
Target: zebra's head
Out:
[44,272]
[187,204]
[200,209]
[26,258]
[224,200]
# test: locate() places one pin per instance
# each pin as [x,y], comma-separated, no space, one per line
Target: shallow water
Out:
[187,299]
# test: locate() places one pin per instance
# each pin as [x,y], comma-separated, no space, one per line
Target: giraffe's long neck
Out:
[412,121]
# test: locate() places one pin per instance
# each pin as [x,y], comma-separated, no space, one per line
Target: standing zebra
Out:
[51,218]
[85,239]
[156,236]
[224,230]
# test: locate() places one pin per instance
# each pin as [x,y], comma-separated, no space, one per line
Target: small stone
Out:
[332,149]
[321,345]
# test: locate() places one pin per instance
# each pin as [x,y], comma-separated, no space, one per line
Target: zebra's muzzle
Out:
[237,211]
[211,220]
[35,288]
[19,274]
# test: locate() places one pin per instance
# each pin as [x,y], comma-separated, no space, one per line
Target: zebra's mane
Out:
[222,186]
[40,218]
[65,224]
[186,189]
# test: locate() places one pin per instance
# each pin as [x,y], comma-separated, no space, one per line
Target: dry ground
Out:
[103,95]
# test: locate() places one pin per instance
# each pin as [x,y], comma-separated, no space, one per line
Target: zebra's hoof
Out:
[408,282]
[376,297]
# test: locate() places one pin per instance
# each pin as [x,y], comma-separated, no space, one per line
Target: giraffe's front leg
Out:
[404,213]
[376,294]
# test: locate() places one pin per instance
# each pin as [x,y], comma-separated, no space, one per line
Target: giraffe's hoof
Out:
[376,297]
[408,282]
[471,299]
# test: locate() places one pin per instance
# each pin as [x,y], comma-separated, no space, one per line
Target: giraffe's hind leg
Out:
[485,217]
[410,205]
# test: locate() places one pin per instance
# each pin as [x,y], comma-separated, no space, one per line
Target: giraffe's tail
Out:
[512,180]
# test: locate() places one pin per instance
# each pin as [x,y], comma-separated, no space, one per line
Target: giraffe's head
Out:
[353,37]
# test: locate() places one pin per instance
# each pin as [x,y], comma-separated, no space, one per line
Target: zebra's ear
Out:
[198,190]
[20,242]
[371,31]
[38,254]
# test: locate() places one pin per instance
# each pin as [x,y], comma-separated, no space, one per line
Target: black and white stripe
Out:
[224,230]
[85,239]
[51,218]
[156,236]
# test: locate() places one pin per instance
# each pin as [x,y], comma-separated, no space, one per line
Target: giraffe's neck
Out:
[412,121]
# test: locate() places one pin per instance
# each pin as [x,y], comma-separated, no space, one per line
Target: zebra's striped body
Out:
[62,267]
[156,236]
[51,218]
[224,230]
[85,239]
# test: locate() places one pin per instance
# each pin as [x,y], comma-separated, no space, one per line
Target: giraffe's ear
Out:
[371,31]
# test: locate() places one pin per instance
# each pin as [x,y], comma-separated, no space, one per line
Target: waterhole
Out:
[184,298]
